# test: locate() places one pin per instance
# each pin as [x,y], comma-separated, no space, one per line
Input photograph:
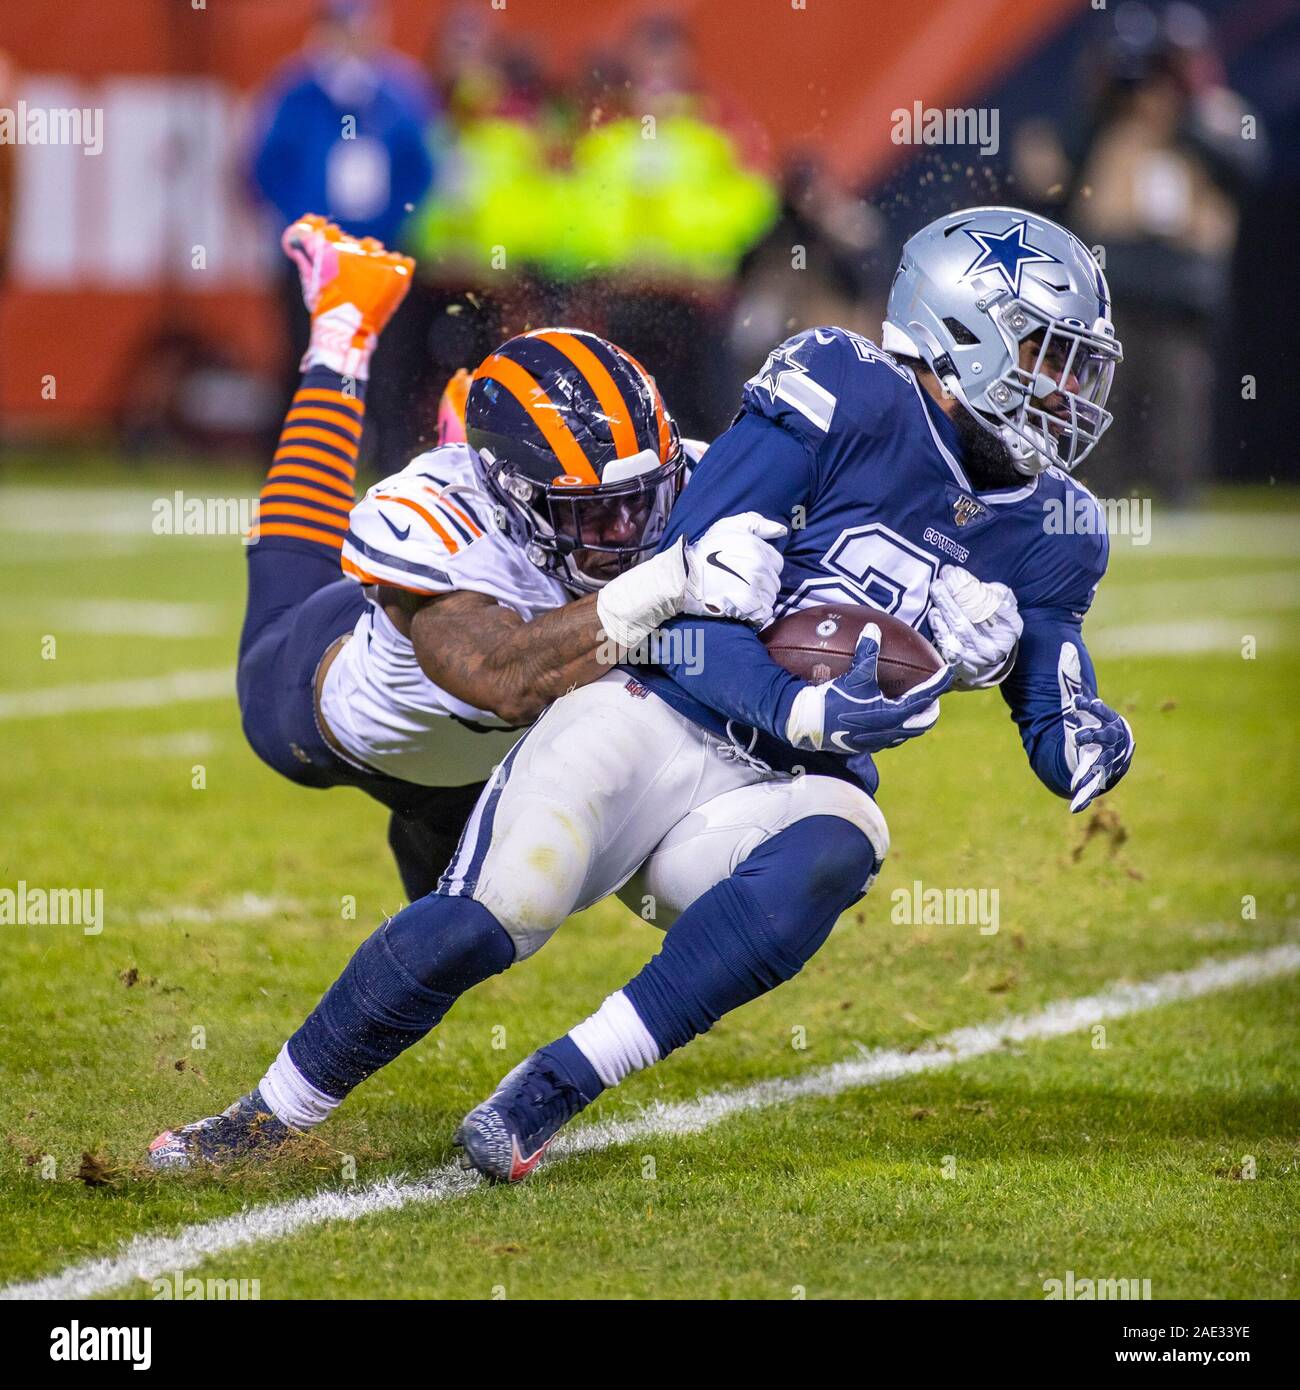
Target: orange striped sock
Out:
[311,485]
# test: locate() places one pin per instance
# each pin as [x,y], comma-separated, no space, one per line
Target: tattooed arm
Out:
[486,654]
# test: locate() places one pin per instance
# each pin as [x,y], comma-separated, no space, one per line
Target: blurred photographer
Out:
[1165,166]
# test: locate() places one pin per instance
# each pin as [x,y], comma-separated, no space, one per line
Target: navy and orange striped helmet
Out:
[574,439]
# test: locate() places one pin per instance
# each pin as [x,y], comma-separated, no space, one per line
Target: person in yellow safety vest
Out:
[669,199]
[495,207]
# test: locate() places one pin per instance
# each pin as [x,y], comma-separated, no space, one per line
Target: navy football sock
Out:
[399,984]
[567,1060]
[753,930]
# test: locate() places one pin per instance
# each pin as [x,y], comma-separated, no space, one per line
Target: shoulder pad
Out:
[796,386]
[445,466]
[411,529]
[812,376]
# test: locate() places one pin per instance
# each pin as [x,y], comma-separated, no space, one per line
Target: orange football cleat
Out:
[351,288]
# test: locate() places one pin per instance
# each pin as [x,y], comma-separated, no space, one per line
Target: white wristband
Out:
[642,599]
[804,728]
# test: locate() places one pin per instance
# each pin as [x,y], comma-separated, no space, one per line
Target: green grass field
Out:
[1171,1154]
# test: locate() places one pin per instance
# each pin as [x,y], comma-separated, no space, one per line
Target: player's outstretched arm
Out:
[761,469]
[1078,746]
[485,654]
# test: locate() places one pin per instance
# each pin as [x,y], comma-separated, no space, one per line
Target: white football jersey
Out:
[428,529]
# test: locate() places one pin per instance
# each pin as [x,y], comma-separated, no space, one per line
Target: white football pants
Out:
[612,780]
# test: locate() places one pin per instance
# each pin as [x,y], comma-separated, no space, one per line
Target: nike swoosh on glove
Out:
[976,627]
[1102,744]
[852,715]
[732,571]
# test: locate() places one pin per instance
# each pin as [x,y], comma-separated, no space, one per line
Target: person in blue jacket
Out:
[344,131]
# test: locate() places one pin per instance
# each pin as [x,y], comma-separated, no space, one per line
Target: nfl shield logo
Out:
[966,509]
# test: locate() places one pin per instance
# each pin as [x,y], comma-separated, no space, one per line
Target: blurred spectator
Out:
[621,203]
[661,204]
[1158,185]
[818,264]
[481,237]
[342,132]
[343,127]
[493,208]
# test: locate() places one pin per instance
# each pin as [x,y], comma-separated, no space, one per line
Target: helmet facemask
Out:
[1054,411]
[589,533]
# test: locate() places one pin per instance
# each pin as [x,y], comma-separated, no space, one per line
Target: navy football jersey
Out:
[841,443]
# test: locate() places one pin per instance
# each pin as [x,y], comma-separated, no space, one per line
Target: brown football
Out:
[817,645]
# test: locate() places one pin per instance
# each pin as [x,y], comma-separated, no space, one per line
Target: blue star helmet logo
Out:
[1006,253]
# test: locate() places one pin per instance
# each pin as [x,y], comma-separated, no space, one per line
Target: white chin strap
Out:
[1027,458]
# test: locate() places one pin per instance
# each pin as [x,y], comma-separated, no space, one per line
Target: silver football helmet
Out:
[970,289]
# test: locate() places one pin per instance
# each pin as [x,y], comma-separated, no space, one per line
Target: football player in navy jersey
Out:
[927,478]
[933,480]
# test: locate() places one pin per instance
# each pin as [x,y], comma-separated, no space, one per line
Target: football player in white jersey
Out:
[476,585]
[570,468]
[486,579]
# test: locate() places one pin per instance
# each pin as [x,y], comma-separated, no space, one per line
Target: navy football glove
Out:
[851,715]
[1102,743]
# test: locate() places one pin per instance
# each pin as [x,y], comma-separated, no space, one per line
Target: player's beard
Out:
[986,458]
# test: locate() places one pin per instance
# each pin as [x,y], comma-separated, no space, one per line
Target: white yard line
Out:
[247,907]
[1275,591]
[112,511]
[150,1257]
[78,511]
[147,693]
[1189,637]
[185,743]
[66,552]
[1222,534]
[125,617]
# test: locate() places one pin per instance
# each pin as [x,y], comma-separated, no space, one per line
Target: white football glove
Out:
[976,627]
[730,572]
